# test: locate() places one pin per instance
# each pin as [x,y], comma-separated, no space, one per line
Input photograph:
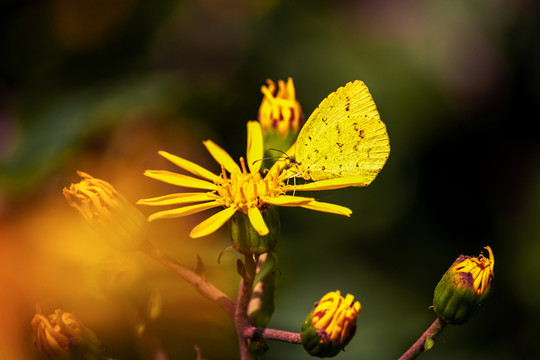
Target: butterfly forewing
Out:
[343,137]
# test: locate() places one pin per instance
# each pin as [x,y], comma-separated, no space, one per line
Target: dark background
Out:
[100,86]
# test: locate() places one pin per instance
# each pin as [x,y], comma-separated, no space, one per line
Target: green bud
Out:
[463,288]
[331,325]
[246,240]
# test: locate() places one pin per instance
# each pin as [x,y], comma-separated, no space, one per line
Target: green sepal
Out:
[317,342]
[246,240]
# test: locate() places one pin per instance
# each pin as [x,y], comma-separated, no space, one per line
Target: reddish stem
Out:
[418,347]
[206,289]
[273,334]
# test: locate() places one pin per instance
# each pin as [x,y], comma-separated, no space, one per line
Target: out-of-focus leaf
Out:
[47,134]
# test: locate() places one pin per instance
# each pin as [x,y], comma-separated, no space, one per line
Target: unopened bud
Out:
[280,116]
[331,325]
[108,212]
[62,335]
[464,287]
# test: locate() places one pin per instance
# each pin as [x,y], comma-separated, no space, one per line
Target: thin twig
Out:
[204,287]
[418,347]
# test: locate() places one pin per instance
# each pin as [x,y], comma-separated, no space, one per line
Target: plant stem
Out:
[418,347]
[273,334]
[205,288]
[241,321]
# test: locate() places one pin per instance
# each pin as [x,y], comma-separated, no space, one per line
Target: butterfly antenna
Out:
[288,157]
[266,158]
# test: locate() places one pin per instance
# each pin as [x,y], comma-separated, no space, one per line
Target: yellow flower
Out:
[108,212]
[62,336]
[244,189]
[331,325]
[282,111]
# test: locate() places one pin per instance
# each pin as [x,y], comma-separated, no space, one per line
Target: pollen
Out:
[244,189]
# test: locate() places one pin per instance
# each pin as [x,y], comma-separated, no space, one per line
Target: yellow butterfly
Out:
[343,138]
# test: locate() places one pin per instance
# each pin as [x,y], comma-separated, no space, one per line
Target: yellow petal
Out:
[254,146]
[257,221]
[491,257]
[287,200]
[221,156]
[183,211]
[174,199]
[330,184]
[327,207]
[189,166]
[180,180]
[213,223]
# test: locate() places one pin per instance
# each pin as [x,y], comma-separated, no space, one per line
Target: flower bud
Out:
[246,240]
[62,336]
[108,212]
[464,287]
[331,325]
[280,116]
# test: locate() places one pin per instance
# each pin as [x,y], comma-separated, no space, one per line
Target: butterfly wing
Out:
[343,137]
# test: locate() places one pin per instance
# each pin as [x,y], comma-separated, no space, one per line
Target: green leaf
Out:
[428,344]
[267,266]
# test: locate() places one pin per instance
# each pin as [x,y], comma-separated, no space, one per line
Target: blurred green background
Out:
[100,86]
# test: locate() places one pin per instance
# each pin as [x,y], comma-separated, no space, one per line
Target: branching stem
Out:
[418,347]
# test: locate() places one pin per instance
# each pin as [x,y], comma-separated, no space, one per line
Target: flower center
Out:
[244,190]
